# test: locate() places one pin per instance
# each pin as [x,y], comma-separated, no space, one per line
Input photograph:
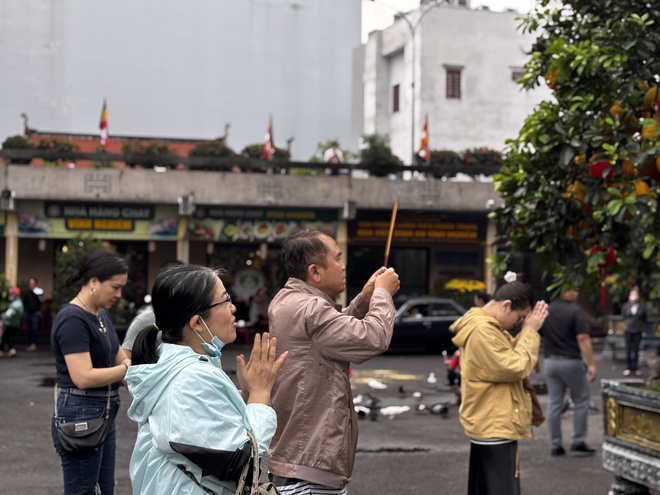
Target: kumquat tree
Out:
[580,182]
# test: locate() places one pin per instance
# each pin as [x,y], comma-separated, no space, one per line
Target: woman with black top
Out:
[90,365]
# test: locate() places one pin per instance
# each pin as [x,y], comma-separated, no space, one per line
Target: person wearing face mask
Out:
[193,421]
[634,321]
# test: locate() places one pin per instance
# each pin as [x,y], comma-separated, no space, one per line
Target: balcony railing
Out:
[240,164]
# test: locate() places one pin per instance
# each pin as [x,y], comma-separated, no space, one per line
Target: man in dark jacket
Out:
[32,307]
[634,321]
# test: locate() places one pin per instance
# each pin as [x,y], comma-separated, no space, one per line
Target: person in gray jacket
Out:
[313,449]
[634,321]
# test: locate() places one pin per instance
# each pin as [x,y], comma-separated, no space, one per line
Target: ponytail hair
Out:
[72,280]
[144,347]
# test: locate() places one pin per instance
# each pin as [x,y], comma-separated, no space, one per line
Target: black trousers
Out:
[8,338]
[494,469]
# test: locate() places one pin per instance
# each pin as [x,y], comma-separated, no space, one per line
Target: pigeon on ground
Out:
[432,380]
[402,390]
[392,411]
[362,411]
[440,409]
[357,399]
[417,395]
[375,384]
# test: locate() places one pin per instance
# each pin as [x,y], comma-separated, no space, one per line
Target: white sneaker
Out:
[11,353]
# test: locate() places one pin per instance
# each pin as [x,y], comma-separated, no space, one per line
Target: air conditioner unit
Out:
[349,210]
[186,205]
[7,200]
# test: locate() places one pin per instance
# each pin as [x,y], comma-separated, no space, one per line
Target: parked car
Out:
[422,324]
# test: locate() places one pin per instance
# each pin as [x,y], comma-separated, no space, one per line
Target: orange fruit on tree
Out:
[650,130]
[617,109]
[576,190]
[628,167]
[581,159]
[642,188]
[652,99]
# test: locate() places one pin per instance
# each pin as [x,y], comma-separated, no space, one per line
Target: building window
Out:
[395,98]
[517,74]
[454,83]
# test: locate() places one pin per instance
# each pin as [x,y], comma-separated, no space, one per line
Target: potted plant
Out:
[18,142]
[256,152]
[213,149]
[376,155]
[57,145]
[148,155]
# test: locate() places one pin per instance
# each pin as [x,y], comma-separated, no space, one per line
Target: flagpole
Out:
[389,237]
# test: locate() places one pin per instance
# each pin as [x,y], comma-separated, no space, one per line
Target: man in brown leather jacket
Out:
[316,438]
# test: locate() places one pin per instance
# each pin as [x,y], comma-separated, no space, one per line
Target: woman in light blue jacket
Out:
[192,437]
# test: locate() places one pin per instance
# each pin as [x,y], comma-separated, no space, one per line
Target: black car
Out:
[422,324]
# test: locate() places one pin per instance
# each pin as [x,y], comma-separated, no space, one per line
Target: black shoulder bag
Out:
[85,435]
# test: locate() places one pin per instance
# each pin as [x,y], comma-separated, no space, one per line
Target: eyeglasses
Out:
[226,300]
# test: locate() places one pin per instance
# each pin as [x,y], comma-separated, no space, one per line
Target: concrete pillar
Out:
[182,240]
[491,232]
[11,247]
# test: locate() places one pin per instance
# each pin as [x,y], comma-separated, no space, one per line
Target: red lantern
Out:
[597,168]
[610,255]
[552,78]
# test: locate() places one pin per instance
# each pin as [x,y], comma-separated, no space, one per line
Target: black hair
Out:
[101,264]
[169,264]
[484,296]
[519,293]
[301,249]
[179,293]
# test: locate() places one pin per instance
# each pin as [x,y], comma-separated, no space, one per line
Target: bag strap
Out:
[240,486]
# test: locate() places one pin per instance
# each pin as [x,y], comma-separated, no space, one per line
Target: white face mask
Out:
[633,299]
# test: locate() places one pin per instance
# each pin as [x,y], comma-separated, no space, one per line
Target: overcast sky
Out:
[379,14]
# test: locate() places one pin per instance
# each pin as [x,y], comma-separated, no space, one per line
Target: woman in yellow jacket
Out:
[496,411]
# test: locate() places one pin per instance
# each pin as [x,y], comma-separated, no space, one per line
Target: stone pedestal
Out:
[631,448]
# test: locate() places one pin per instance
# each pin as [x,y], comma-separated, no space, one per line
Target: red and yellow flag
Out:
[105,139]
[269,146]
[424,150]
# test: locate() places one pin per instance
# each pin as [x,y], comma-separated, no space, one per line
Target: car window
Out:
[443,309]
[417,311]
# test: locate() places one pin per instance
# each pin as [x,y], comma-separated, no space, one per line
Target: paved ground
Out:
[415,452]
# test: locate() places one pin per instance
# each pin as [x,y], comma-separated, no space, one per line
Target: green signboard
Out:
[62,219]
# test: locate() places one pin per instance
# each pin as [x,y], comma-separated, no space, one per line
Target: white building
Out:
[464,63]
[181,68]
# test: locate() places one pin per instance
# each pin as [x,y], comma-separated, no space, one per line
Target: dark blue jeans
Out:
[32,322]
[83,472]
[632,350]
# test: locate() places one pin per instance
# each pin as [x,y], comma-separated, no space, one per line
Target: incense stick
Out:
[389,237]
